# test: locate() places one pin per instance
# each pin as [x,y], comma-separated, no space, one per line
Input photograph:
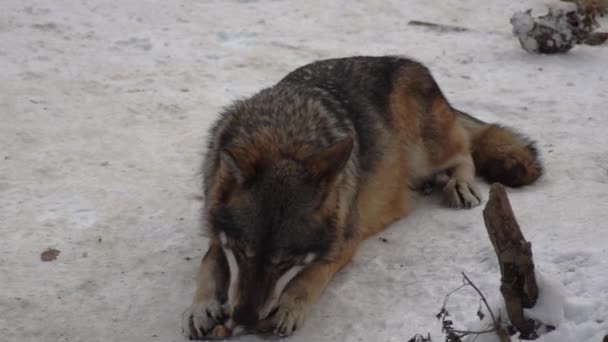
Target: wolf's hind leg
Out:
[460,190]
[212,281]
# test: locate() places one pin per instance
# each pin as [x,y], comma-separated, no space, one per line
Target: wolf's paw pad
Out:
[461,194]
[200,318]
[290,315]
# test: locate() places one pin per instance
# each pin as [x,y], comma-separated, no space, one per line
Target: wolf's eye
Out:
[285,262]
[281,260]
[275,260]
[290,258]
[245,252]
[249,252]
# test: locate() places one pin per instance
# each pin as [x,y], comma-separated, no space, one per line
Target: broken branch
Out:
[438,27]
[518,284]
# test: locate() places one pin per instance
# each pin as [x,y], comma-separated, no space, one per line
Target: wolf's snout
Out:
[245,316]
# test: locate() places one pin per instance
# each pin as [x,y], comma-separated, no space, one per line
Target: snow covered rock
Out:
[556,32]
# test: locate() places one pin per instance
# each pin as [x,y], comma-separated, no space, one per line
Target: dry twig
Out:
[438,27]
[456,335]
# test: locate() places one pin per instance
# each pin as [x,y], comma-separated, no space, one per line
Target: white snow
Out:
[550,305]
[104,111]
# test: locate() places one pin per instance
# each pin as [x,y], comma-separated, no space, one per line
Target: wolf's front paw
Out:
[290,315]
[200,318]
[461,194]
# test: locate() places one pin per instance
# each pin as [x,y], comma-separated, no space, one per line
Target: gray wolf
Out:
[297,175]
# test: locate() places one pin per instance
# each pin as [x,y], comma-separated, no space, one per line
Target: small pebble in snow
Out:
[49,255]
[187,258]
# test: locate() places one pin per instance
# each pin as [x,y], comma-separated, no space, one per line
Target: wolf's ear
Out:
[237,167]
[327,164]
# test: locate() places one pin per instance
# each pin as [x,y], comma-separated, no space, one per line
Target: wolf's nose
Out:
[245,316]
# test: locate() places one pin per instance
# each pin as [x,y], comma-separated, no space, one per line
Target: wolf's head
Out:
[274,217]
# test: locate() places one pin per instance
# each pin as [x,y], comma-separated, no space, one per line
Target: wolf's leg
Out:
[421,110]
[304,290]
[460,190]
[212,283]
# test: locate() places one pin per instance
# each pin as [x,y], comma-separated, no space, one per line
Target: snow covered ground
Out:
[104,109]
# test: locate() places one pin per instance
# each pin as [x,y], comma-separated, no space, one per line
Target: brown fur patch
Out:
[444,138]
[404,115]
[425,122]
[385,195]
[331,160]
[502,156]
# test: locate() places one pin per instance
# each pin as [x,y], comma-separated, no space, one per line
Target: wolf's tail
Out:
[500,154]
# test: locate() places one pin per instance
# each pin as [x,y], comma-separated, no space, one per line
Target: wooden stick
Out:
[438,27]
[518,284]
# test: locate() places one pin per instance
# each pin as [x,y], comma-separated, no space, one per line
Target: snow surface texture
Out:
[105,107]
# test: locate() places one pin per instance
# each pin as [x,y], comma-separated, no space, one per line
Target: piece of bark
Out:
[49,255]
[518,284]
